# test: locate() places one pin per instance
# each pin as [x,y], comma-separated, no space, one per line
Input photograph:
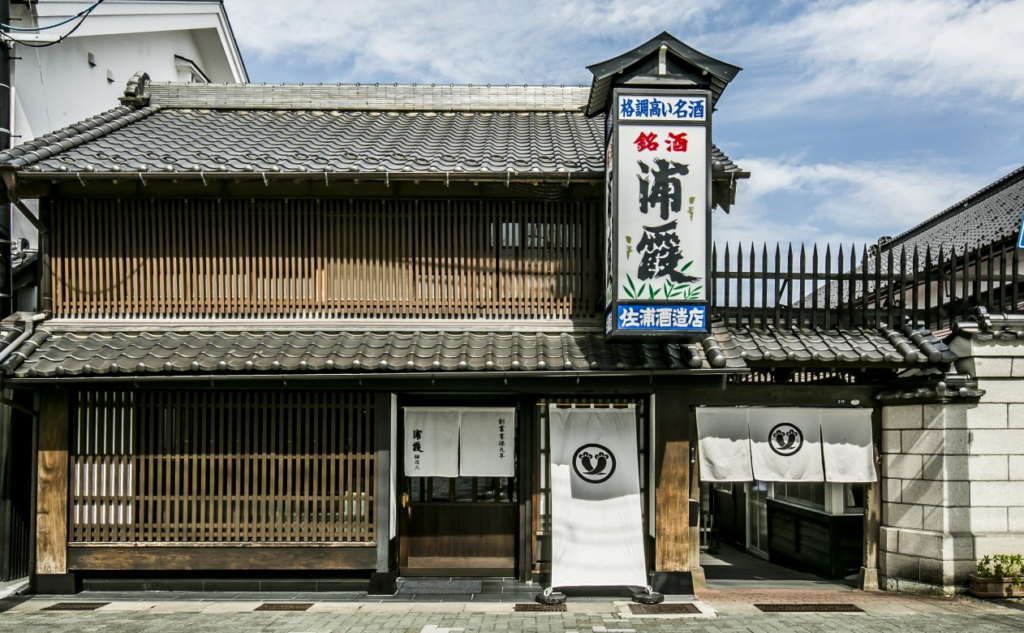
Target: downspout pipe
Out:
[15,344]
[30,321]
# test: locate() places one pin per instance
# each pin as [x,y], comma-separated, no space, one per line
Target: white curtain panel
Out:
[785,444]
[724,441]
[487,443]
[597,534]
[846,437]
[431,442]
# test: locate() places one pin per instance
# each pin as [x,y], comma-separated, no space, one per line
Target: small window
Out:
[807,494]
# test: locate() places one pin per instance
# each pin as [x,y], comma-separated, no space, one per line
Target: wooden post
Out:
[696,571]
[672,492]
[52,495]
[873,511]
[383,475]
[526,411]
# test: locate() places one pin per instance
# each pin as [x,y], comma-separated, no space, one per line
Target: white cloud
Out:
[461,41]
[941,52]
[789,200]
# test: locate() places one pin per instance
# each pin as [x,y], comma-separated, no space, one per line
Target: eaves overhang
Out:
[705,71]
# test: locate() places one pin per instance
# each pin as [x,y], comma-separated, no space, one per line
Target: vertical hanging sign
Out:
[658,214]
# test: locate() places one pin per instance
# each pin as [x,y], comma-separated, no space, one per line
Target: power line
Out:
[85,11]
[82,15]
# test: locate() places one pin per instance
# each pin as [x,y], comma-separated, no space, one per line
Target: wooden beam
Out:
[52,483]
[787,395]
[696,570]
[526,411]
[873,511]
[132,557]
[383,413]
[672,481]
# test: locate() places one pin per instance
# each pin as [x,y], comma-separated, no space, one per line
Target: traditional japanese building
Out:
[310,333]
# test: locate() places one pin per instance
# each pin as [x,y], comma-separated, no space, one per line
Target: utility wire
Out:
[85,11]
[82,14]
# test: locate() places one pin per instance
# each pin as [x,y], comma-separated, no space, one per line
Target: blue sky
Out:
[857,118]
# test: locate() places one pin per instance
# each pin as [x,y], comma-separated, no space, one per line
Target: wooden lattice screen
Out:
[324,259]
[222,467]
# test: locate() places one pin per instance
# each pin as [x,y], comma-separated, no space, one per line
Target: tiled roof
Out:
[990,215]
[74,354]
[176,352]
[187,140]
[315,135]
[626,69]
[801,346]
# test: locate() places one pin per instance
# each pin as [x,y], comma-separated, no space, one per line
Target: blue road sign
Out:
[1020,236]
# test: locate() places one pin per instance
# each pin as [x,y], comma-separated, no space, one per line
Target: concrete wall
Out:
[953,476]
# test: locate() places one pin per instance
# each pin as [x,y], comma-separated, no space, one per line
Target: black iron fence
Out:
[865,286]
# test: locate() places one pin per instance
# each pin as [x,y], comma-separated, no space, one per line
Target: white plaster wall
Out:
[56,86]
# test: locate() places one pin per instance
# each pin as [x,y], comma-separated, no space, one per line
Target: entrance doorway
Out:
[757,518]
[460,526]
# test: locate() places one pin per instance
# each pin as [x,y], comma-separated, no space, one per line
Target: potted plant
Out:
[998,576]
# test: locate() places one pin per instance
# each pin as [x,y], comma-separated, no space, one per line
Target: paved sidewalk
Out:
[730,611]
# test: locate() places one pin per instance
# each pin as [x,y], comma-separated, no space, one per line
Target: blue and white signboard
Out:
[658,215]
[662,317]
[656,108]
[1020,236]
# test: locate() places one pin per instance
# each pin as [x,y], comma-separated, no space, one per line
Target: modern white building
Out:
[58,85]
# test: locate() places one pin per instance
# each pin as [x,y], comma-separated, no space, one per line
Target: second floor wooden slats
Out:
[324,259]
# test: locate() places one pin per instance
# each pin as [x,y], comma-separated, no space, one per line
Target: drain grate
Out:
[679,608]
[75,606]
[284,606]
[809,608]
[536,606]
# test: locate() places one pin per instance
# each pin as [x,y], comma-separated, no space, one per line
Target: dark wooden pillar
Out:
[527,411]
[873,511]
[696,571]
[671,492]
[51,572]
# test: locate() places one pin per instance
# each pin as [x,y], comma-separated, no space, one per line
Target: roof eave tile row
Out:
[73,136]
[819,347]
[724,349]
[191,352]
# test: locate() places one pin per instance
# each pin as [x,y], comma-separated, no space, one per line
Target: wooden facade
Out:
[324,259]
[351,258]
[222,467]
[204,479]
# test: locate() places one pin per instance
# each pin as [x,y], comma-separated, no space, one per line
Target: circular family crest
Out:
[785,439]
[593,463]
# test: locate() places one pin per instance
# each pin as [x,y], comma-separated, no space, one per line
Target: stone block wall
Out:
[953,476]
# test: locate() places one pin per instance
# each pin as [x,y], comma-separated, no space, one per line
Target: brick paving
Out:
[807,595]
[732,611]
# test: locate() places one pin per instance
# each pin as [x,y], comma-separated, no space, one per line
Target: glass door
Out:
[757,518]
